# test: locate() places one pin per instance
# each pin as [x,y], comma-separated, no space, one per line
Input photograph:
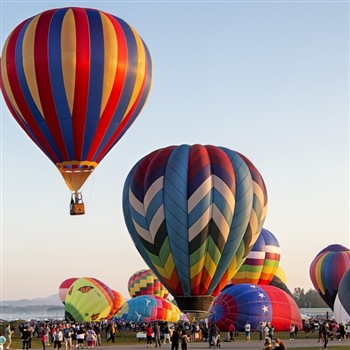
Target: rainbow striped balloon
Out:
[194,213]
[145,282]
[327,270]
[262,262]
[75,80]
[147,308]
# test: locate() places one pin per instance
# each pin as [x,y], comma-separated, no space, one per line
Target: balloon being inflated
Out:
[194,213]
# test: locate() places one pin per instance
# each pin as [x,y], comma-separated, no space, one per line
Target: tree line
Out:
[309,299]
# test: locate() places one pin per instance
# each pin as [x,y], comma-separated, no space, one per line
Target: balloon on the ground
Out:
[145,282]
[147,308]
[340,314]
[281,274]
[276,282]
[240,303]
[64,287]
[75,79]
[327,270]
[262,262]
[344,291]
[194,213]
[118,302]
[88,299]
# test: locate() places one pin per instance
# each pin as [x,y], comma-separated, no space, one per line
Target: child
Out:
[2,341]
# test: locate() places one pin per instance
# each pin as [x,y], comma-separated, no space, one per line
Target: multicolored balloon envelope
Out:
[64,288]
[254,303]
[75,79]
[147,308]
[118,302]
[145,282]
[262,262]
[327,270]
[88,299]
[194,213]
[344,291]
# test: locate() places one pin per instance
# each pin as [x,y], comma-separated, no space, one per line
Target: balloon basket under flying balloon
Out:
[194,304]
[77,206]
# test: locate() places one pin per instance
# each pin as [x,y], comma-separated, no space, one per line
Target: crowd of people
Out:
[62,334]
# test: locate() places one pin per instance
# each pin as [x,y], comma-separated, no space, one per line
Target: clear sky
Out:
[269,79]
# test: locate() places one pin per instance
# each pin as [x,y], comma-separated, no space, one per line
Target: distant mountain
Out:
[52,300]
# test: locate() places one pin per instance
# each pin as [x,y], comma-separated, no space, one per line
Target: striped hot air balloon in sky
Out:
[262,262]
[145,282]
[194,213]
[75,80]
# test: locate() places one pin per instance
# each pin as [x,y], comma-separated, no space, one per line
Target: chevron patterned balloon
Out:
[194,213]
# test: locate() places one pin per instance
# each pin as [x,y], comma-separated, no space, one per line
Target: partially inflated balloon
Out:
[277,282]
[262,262]
[327,270]
[281,274]
[88,299]
[340,314]
[344,291]
[194,213]
[145,282]
[75,80]
[118,302]
[64,287]
[147,308]
[240,303]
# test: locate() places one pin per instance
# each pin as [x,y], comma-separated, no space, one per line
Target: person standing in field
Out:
[43,338]
[58,338]
[8,336]
[149,332]
[247,331]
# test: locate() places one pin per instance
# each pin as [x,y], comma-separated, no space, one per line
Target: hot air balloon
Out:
[88,299]
[147,308]
[64,287]
[145,282]
[327,269]
[240,303]
[118,302]
[340,314]
[281,274]
[194,213]
[261,263]
[75,80]
[344,291]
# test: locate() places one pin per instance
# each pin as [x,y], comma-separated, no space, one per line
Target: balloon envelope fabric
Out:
[327,270]
[75,79]
[240,303]
[64,288]
[147,308]
[145,282]
[194,213]
[88,299]
[344,291]
[262,262]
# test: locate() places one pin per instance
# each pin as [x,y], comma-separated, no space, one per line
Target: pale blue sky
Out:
[269,79]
